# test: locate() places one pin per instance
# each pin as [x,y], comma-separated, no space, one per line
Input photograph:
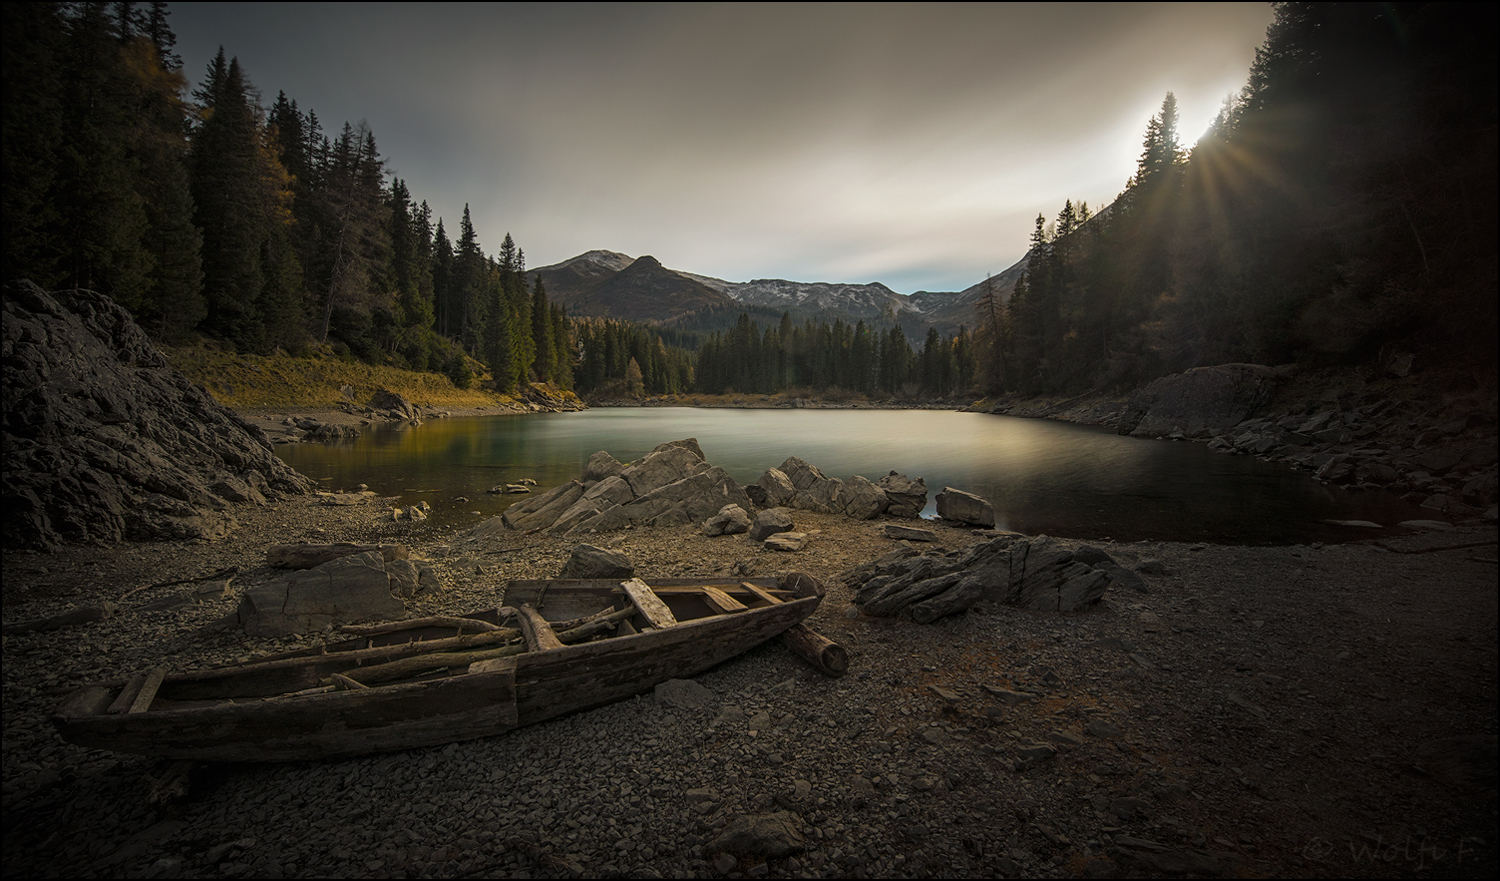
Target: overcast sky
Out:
[908,144]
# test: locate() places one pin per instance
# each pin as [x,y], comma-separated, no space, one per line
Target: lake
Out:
[1042,476]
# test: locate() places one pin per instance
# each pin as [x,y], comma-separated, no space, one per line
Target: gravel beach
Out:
[1273,711]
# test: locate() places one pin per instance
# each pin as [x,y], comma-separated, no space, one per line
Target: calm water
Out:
[1041,476]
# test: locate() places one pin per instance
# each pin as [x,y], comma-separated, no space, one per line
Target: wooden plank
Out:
[539,634]
[761,592]
[731,589]
[648,604]
[723,602]
[127,694]
[143,698]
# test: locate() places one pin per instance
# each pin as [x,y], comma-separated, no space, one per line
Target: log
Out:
[539,634]
[400,669]
[473,625]
[306,556]
[814,648]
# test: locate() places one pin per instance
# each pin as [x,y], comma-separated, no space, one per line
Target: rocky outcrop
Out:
[798,484]
[1199,400]
[670,486]
[1039,574]
[347,589]
[105,442]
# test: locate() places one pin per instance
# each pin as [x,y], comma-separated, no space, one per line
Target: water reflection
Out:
[1041,476]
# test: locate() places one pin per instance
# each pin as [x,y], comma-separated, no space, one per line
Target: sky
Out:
[912,145]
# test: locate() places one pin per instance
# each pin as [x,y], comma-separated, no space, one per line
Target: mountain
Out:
[614,285]
[607,284]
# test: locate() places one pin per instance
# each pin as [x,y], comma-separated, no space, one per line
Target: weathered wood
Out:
[470,624]
[345,681]
[127,694]
[742,588]
[285,674]
[408,667]
[539,634]
[814,648]
[611,621]
[723,602]
[149,686]
[227,573]
[648,604]
[278,709]
[761,592]
[306,556]
[801,584]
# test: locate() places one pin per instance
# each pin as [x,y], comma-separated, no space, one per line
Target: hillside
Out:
[253,382]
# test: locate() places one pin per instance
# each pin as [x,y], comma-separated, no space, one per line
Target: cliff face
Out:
[104,441]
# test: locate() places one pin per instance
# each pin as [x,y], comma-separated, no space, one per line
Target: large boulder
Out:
[588,561]
[1199,400]
[964,507]
[1039,574]
[105,442]
[906,497]
[352,588]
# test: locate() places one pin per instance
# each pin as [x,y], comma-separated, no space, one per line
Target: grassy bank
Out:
[249,382]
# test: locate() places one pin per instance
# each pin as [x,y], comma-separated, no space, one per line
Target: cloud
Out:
[909,144]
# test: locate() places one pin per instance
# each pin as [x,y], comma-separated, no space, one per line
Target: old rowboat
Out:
[555,647]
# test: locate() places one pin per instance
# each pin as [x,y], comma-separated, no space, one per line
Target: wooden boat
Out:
[430,681]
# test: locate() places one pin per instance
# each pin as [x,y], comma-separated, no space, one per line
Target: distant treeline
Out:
[217,215]
[1345,200]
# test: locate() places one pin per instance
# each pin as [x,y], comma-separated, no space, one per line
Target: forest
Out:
[1342,204]
[212,214]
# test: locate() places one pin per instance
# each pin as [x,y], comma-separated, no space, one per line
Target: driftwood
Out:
[816,649]
[70,618]
[404,667]
[539,634]
[471,624]
[227,574]
[306,556]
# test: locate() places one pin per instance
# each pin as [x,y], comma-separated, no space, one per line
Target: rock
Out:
[776,487]
[394,403]
[588,561]
[662,467]
[340,591]
[769,522]
[1038,574]
[1200,400]
[731,520]
[964,507]
[768,835]
[864,500]
[600,466]
[105,442]
[1103,728]
[684,694]
[907,497]
[786,541]
[908,533]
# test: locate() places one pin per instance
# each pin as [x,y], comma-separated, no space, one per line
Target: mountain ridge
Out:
[591,285]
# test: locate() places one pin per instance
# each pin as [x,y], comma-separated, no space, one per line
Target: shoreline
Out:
[1267,701]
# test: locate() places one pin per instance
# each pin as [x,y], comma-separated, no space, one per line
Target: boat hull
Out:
[490,697]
